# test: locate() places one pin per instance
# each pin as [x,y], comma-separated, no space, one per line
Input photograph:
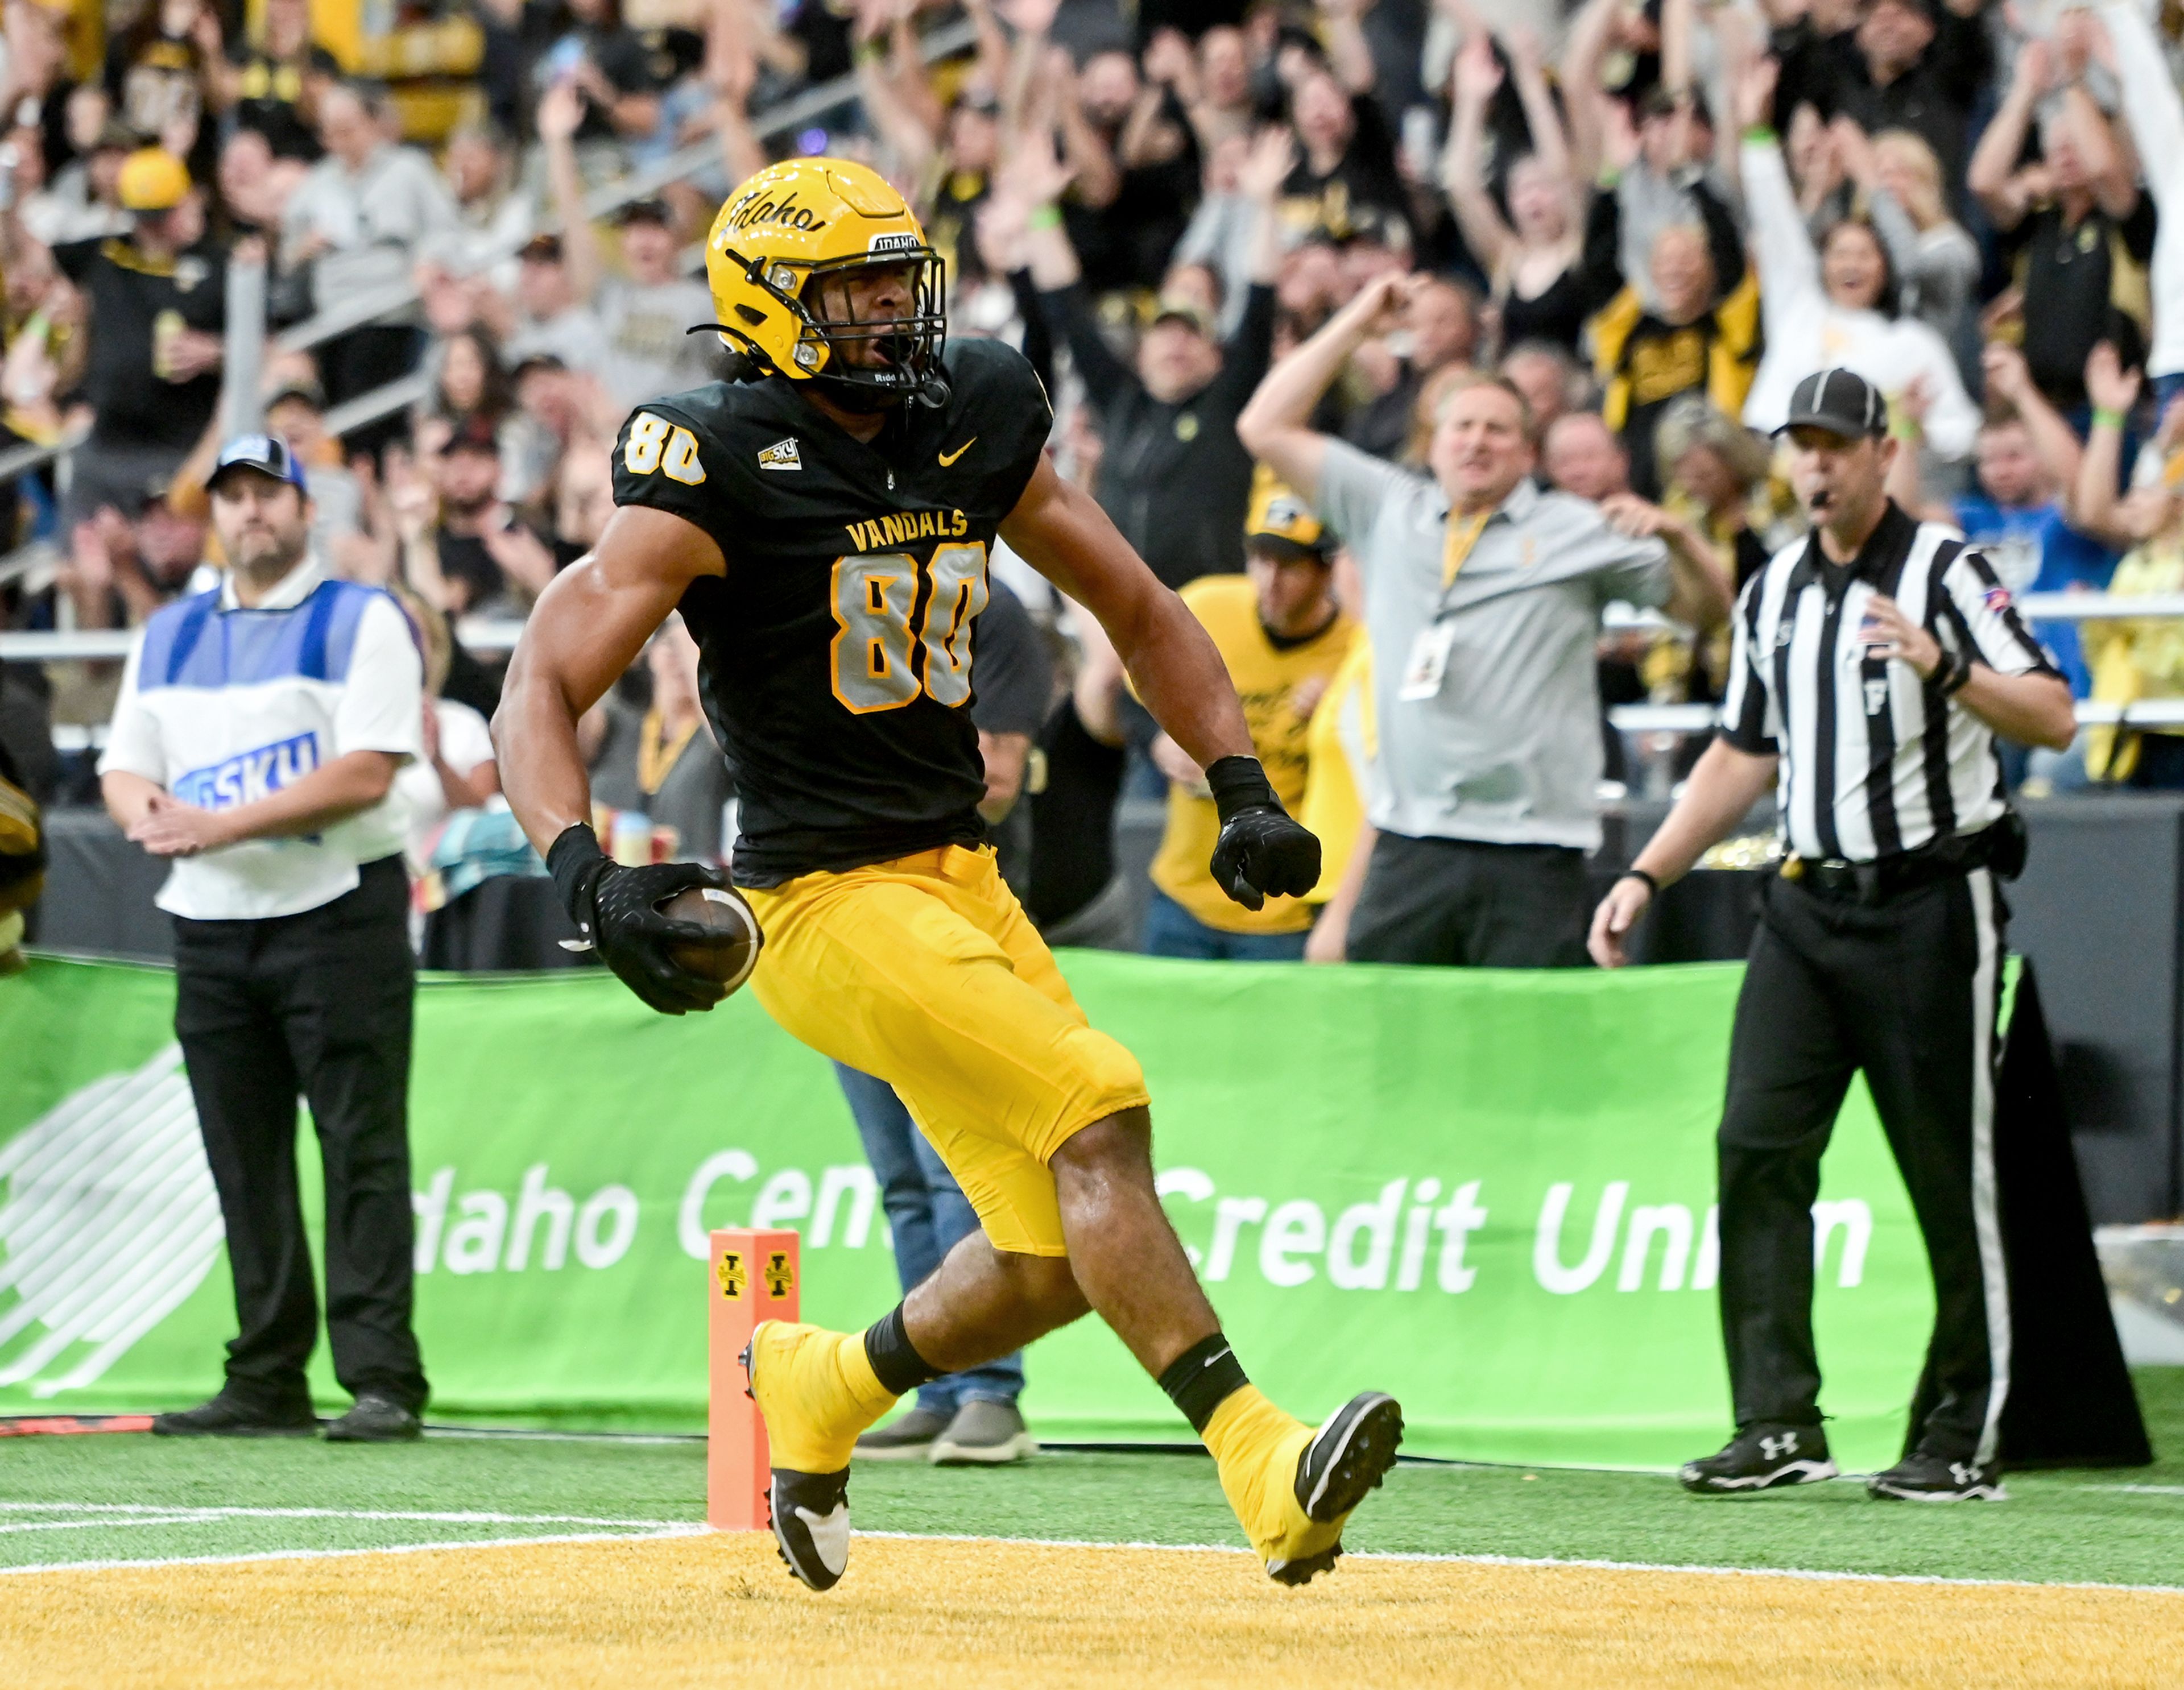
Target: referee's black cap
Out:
[1840,401]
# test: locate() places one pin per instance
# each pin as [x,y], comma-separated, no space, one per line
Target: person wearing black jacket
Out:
[1914,64]
[1174,478]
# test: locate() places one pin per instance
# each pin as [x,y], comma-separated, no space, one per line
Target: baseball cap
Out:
[153,179]
[1840,401]
[477,434]
[1182,309]
[1281,523]
[647,210]
[266,453]
[537,361]
[309,391]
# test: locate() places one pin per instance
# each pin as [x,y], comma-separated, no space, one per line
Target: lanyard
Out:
[658,753]
[1463,535]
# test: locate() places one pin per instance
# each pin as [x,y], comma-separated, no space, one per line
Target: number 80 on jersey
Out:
[653,443]
[875,597]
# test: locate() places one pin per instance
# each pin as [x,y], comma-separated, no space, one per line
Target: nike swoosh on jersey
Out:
[948,457]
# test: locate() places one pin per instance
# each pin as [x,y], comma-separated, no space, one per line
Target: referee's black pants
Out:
[317,1002]
[1906,990]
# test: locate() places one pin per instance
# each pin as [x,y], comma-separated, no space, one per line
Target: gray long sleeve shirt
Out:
[1483,691]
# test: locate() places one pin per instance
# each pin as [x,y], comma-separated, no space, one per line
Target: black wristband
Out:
[1652,885]
[575,862]
[1238,783]
[1952,680]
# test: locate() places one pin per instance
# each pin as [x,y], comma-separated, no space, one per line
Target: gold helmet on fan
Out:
[783,261]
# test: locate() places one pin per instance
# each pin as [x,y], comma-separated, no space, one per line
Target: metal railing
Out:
[380,303]
[478,634]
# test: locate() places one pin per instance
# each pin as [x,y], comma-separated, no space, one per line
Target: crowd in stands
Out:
[1648,219]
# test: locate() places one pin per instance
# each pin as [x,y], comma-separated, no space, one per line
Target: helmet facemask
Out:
[833,349]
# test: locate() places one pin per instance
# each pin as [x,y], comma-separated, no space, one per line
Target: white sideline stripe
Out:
[678,1530]
[526,1435]
[665,1531]
[190,1518]
[435,1519]
[1820,1574]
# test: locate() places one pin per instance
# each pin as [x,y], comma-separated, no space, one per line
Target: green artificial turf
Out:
[2080,1525]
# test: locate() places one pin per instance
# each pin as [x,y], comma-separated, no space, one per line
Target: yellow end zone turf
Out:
[715,1610]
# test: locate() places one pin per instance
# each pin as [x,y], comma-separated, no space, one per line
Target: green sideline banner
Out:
[1488,1193]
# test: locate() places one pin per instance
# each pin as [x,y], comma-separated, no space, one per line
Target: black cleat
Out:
[228,1415]
[1349,1455]
[1935,1478]
[811,1514]
[1760,1458]
[377,1419]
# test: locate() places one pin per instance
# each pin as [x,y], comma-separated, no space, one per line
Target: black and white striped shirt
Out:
[1874,760]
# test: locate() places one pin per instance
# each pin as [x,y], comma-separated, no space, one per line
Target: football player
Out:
[824,530]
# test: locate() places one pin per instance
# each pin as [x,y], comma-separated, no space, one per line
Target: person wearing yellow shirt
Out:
[1283,635]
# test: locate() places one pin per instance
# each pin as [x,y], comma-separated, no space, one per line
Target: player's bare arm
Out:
[1063,534]
[588,627]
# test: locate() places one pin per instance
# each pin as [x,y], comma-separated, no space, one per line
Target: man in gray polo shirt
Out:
[1482,600]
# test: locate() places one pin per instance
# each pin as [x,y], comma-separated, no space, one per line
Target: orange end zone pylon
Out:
[754,1279]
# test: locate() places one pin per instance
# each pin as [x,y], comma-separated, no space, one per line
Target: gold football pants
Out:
[926,973]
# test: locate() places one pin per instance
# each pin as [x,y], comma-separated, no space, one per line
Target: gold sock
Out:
[1244,1426]
[863,1385]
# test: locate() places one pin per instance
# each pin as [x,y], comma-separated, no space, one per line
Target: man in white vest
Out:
[255,744]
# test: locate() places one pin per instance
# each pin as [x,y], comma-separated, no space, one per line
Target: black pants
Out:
[1462,904]
[1906,990]
[319,1004]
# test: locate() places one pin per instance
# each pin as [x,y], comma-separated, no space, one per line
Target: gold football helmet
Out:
[782,260]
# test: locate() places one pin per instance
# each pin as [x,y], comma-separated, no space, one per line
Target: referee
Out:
[255,744]
[1874,662]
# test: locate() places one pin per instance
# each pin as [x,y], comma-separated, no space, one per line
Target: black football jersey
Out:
[838,654]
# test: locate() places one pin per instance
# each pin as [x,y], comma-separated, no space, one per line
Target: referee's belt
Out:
[2000,848]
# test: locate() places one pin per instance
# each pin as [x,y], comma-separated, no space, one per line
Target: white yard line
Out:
[441,1519]
[678,1530]
[1820,1574]
[192,1518]
[653,1530]
[2140,1490]
[523,1434]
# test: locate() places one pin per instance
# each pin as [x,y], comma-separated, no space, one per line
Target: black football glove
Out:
[617,910]
[1263,851]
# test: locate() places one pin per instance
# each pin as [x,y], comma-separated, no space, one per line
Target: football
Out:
[731,952]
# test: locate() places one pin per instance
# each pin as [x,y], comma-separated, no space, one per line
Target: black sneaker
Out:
[907,1438]
[1759,1457]
[811,1524]
[1935,1478]
[377,1419]
[228,1415]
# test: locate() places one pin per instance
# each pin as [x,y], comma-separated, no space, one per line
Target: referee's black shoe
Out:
[1760,1458]
[377,1419]
[1935,1478]
[231,1415]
